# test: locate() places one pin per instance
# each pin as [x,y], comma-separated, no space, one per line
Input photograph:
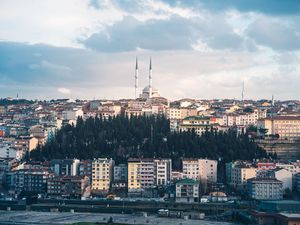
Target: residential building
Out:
[162,171]
[31,180]
[286,127]
[240,174]
[265,188]
[25,144]
[85,169]
[140,174]
[120,173]
[187,190]
[180,113]
[65,167]
[200,169]
[102,174]
[199,124]
[286,177]
[68,186]
[297,181]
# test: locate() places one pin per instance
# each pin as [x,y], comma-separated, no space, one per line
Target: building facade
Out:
[200,169]
[187,190]
[265,189]
[102,174]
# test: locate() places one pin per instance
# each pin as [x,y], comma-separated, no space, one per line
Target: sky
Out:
[201,49]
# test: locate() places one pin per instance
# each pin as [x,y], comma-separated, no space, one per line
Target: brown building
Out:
[68,186]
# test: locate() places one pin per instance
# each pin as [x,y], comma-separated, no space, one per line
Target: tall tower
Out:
[150,79]
[243,88]
[136,76]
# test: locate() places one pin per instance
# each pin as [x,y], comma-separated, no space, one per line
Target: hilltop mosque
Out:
[149,91]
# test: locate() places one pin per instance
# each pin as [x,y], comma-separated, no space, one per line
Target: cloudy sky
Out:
[200,48]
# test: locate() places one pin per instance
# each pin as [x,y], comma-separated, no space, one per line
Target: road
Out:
[64,218]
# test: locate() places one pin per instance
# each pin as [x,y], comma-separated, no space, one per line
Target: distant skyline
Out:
[200,49]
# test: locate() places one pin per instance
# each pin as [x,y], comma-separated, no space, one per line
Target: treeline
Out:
[143,136]
[6,102]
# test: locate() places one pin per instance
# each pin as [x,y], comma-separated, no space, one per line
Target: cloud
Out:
[55,22]
[274,33]
[174,33]
[200,49]
[65,91]
[177,74]
[269,7]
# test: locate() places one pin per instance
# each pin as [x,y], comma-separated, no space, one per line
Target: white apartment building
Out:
[187,190]
[244,119]
[102,174]
[200,169]
[72,114]
[162,171]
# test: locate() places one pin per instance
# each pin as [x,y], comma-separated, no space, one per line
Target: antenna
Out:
[136,77]
[243,88]
[150,79]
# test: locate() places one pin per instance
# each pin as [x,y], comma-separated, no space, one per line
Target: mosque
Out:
[149,91]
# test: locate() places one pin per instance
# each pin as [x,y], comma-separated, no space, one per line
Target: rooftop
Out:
[187,181]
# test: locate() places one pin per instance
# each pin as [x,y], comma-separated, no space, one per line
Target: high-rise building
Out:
[200,169]
[162,171]
[102,174]
[140,174]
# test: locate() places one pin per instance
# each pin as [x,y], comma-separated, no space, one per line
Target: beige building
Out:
[240,174]
[175,113]
[287,127]
[197,123]
[140,174]
[200,169]
[24,144]
[102,174]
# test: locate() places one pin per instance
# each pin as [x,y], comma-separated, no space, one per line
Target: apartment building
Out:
[162,171]
[187,190]
[199,124]
[297,181]
[85,169]
[102,174]
[140,174]
[65,167]
[30,180]
[287,127]
[265,189]
[67,186]
[200,169]
[120,173]
[240,174]
[25,144]
[179,113]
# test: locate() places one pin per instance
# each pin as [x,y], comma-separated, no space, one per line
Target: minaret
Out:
[243,87]
[150,79]
[136,76]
